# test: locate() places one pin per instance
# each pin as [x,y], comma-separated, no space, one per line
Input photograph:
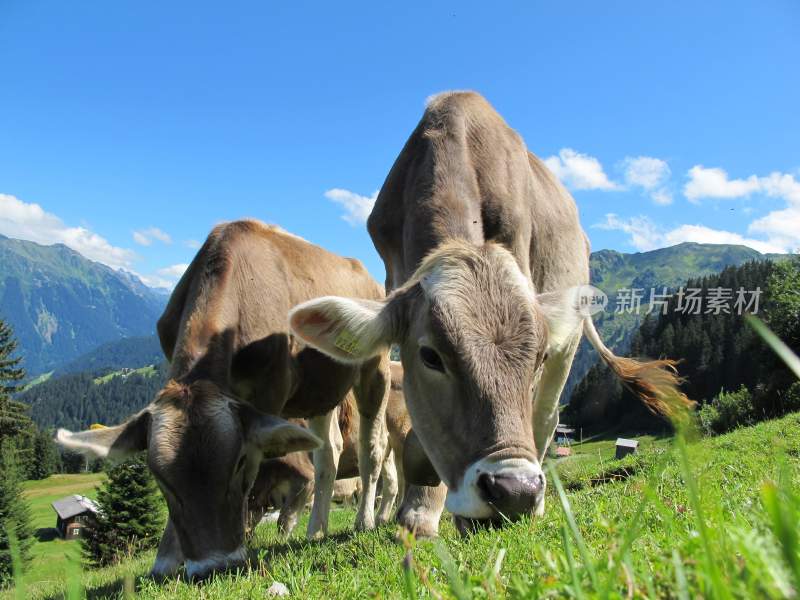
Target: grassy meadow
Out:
[713,518]
[52,557]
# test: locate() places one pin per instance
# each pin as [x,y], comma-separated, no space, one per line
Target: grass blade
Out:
[409,579]
[576,580]
[16,562]
[782,350]
[681,585]
[573,527]
[783,525]
[451,570]
[719,589]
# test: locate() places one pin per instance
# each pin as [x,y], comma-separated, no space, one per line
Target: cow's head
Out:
[473,337]
[204,449]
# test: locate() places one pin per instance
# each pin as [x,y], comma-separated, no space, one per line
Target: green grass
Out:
[146,371]
[717,518]
[37,380]
[53,559]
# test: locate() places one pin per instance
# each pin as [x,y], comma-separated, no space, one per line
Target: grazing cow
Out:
[485,255]
[233,364]
[287,483]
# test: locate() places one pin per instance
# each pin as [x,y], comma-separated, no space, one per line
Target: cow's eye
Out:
[431,359]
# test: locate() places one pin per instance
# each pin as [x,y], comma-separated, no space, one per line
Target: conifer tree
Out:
[45,456]
[13,415]
[130,515]
[14,515]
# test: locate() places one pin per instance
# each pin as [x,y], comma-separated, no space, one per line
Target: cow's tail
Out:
[655,382]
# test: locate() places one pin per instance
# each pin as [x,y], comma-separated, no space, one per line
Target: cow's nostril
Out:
[511,495]
[486,485]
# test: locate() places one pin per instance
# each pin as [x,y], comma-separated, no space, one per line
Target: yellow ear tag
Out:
[347,342]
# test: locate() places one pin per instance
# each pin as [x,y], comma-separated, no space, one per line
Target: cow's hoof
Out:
[364,524]
[421,525]
[314,533]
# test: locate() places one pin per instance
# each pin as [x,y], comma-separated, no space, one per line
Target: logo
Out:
[590,300]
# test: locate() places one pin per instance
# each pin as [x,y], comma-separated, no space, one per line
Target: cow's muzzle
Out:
[510,494]
[498,491]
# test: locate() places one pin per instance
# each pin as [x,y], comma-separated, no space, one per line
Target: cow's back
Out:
[227,318]
[464,174]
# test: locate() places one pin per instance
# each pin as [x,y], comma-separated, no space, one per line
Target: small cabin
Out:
[625,447]
[74,514]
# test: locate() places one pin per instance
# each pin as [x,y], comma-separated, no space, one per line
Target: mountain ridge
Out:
[62,305]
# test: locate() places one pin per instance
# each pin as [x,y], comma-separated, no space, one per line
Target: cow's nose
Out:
[511,495]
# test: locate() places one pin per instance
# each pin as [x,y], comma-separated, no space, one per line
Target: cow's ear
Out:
[564,315]
[115,443]
[346,329]
[276,437]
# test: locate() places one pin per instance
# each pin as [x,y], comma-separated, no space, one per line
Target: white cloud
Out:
[707,235]
[165,277]
[357,207]
[714,183]
[661,196]
[193,244]
[579,171]
[646,235]
[154,281]
[145,237]
[174,271]
[29,221]
[650,174]
[781,227]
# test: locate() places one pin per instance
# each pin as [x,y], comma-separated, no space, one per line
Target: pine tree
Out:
[46,459]
[13,415]
[14,514]
[17,431]
[10,370]
[130,515]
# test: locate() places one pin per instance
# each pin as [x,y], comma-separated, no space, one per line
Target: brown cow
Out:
[486,258]
[287,483]
[233,363]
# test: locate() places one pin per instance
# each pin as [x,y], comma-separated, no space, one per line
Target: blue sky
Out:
[128,129]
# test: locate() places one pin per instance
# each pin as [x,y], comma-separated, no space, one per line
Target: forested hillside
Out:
[78,400]
[612,271]
[717,349]
[130,353]
[62,305]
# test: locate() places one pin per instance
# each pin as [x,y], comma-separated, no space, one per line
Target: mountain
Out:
[127,353]
[62,305]
[670,267]
[611,270]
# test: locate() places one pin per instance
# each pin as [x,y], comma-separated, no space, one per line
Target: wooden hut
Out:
[625,447]
[75,513]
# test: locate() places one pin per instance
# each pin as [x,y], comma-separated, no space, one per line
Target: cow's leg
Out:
[388,489]
[326,462]
[421,509]
[296,500]
[372,393]
[169,557]
[545,403]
